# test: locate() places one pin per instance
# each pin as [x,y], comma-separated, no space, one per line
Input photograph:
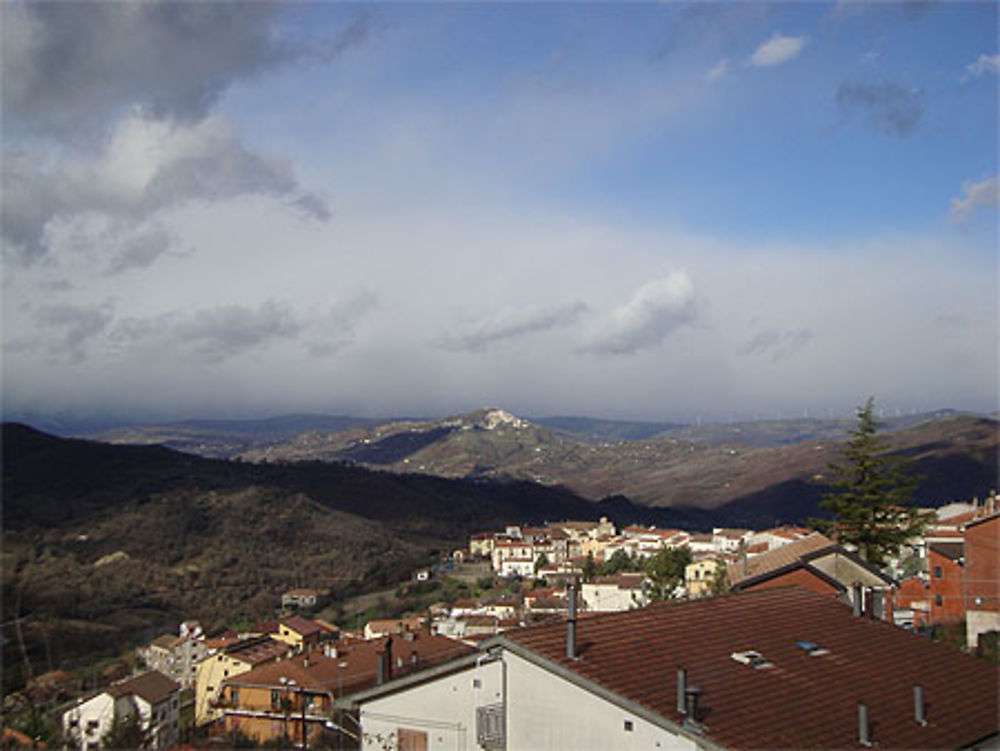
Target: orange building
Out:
[294,697]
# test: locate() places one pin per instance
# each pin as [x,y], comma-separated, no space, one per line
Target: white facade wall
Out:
[518,567]
[605,598]
[444,709]
[162,720]
[979,622]
[543,711]
[85,725]
[90,721]
[504,551]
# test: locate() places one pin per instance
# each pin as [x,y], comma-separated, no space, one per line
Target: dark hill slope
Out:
[51,481]
[106,545]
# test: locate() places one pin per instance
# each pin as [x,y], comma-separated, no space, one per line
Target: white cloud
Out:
[718,70]
[654,311]
[777,50]
[975,196]
[983,65]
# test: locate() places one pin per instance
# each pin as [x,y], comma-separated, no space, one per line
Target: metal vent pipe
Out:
[919,708]
[681,690]
[571,624]
[864,729]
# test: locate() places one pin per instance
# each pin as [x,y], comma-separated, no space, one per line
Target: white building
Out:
[519,566]
[619,592]
[153,696]
[726,540]
[177,657]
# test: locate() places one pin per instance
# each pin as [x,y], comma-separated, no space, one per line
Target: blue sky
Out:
[656,211]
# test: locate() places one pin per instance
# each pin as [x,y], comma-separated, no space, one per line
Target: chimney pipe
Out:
[388,658]
[864,729]
[691,696]
[571,624]
[856,604]
[379,668]
[681,690]
[919,708]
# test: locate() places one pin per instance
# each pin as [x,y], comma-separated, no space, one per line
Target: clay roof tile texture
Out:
[801,701]
[153,686]
[779,557]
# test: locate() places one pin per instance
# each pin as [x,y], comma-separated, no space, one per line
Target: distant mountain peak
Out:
[487,418]
[495,417]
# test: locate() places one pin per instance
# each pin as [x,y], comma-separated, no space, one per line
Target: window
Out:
[937,572]
[937,600]
[628,726]
[476,683]
[411,740]
[234,696]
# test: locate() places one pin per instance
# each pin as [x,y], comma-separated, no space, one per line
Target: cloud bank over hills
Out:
[656,212]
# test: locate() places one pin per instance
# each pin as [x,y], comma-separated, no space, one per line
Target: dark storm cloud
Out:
[335,328]
[221,332]
[778,345]
[511,326]
[76,74]
[893,109]
[67,65]
[210,333]
[72,326]
[228,330]
[204,161]
[140,251]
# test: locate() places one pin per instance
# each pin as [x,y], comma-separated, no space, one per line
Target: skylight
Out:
[812,648]
[752,658]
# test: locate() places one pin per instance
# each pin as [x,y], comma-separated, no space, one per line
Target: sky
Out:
[660,211]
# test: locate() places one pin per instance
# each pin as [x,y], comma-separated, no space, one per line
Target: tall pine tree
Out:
[872,503]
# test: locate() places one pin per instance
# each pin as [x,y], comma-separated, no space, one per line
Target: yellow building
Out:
[231,660]
[301,633]
[699,576]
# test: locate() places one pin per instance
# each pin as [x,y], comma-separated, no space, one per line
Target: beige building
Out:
[700,575]
[238,657]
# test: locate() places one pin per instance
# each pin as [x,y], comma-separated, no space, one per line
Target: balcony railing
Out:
[490,727]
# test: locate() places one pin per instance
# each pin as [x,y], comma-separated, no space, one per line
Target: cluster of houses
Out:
[805,651]
[949,574]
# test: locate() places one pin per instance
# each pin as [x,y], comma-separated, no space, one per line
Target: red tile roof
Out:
[623,580]
[302,626]
[257,649]
[802,701]
[153,686]
[319,672]
[779,557]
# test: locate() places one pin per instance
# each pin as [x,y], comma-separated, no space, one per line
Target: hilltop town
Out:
[564,601]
